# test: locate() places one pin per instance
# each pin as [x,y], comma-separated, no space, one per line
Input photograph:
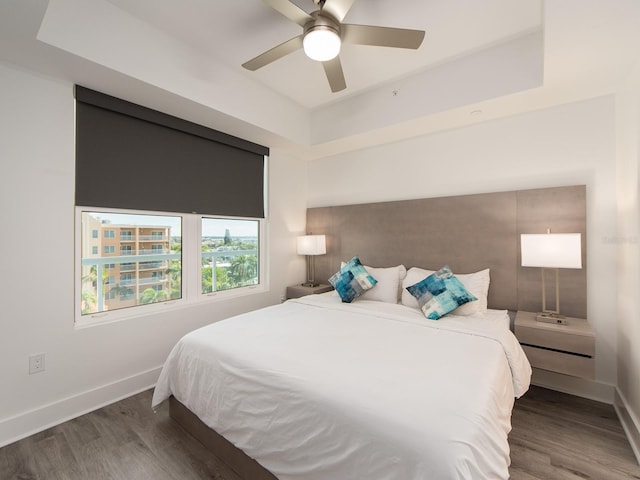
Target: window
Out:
[126,279]
[101,293]
[167,249]
[229,254]
[94,234]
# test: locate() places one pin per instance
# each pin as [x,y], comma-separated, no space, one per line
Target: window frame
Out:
[191,269]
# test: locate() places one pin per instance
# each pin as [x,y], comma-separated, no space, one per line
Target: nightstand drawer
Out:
[560,362]
[557,339]
[569,349]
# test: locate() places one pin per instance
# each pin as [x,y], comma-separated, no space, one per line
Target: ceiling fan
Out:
[323,34]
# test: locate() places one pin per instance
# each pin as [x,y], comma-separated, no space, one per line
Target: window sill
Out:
[105,318]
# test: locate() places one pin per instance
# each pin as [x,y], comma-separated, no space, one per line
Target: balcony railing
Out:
[153,238]
[142,251]
[151,265]
[130,260]
[144,238]
[153,259]
[212,258]
[143,281]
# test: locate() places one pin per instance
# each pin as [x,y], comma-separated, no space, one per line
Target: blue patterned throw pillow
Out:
[352,280]
[440,293]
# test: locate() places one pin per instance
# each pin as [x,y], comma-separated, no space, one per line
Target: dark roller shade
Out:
[129,156]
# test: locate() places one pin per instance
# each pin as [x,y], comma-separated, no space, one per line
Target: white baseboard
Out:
[581,387]
[27,423]
[629,422]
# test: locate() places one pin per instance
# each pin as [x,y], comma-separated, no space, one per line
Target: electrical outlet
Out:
[36,363]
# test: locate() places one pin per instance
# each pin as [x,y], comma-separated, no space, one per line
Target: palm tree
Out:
[150,295]
[118,289]
[207,284]
[222,279]
[243,270]
[175,273]
[88,303]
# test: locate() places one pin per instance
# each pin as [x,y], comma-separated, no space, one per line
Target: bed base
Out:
[234,458]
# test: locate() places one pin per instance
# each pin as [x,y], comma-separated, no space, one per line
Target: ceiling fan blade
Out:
[289,10]
[333,70]
[274,54]
[382,36]
[338,8]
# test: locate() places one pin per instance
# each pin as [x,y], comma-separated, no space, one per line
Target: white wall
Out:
[628,243]
[566,145]
[90,366]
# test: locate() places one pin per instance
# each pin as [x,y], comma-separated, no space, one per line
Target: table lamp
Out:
[554,251]
[311,245]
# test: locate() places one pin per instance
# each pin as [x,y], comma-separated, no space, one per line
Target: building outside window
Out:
[129,230]
[148,267]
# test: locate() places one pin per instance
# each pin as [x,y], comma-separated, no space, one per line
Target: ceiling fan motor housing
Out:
[322,21]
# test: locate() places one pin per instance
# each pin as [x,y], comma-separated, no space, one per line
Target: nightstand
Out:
[568,349]
[297,291]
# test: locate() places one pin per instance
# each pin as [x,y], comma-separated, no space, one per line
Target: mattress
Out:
[317,389]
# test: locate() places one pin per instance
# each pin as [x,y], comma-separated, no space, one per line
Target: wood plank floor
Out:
[555,436]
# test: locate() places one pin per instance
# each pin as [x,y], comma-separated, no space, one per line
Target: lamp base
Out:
[310,284]
[547,317]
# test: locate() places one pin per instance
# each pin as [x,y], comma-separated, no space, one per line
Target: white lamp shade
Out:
[321,44]
[551,250]
[312,245]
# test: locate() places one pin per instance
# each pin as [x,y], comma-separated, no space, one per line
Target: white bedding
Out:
[316,389]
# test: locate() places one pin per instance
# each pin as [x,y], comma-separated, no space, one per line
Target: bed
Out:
[318,389]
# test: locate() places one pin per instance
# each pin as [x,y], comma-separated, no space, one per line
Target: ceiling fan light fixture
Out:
[321,43]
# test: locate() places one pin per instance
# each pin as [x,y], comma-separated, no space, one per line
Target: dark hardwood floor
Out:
[555,436]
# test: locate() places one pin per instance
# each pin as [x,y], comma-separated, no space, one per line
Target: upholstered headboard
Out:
[469,233]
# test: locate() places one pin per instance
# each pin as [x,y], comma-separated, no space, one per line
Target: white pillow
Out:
[477,283]
[389,284]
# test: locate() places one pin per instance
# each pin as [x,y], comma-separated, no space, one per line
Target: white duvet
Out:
[316,389]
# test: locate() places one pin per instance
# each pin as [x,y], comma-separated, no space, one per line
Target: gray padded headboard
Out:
[469,233]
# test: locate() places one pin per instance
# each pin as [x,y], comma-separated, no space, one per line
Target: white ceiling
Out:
[232,32]
[499,57]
